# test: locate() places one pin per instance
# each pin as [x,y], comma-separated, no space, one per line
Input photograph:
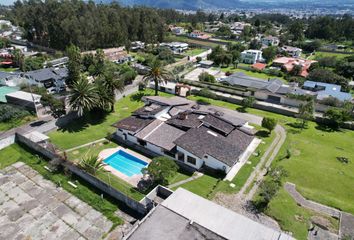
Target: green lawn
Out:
[318,55]
[10,69]
[292,217]
[179,176]
[92,127]
[194,51]
[203,186]
[92,196]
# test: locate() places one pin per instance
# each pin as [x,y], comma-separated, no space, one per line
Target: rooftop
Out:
[132,123]
[6,90]
[184,216]
[24,96]
[325,90]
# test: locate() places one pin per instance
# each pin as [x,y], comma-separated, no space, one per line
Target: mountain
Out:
[180,4]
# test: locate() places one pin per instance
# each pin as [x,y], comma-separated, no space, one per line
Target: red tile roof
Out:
[259,66]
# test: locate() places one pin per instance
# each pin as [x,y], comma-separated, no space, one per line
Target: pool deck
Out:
[133,180]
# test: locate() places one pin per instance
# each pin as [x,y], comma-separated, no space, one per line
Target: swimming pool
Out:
[125,163]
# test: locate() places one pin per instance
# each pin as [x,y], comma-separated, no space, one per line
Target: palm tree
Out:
[157,74]
[83,96]
[91,164]
[111,81]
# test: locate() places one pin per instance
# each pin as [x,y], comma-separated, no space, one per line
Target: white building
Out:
[176,47]
[292,51]
[191,134]
[251,56]
[270,41]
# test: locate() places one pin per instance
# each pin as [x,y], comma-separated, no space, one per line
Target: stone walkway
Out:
[197,175]
[32,207]
[291,189]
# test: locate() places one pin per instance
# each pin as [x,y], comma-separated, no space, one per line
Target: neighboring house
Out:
[259,66]
[176,47]
[251,56]
[187,132]
[184,215]
[177,30]
[213,26]
[118,55]
[53,79]
[326,90]
[270,41]
[292,51]
[137,45]
[237,27]
[288,63]
[24,99]
[206,64]
[11,79]
[273,90]
[59,62]
[199,34]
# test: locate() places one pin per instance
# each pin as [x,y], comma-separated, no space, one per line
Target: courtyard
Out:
[32,207]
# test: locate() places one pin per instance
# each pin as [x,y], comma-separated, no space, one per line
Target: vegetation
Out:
[206,77]
[269,53]
[13,116]
[327,76]
[91,164]
[157,74]
[161,169]
[247,102]
[306,113]
[269,123]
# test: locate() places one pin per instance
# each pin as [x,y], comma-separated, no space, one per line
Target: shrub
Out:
[160,169]
[269,123]
[206,77]
[204,92]
[247,102]
[9,113]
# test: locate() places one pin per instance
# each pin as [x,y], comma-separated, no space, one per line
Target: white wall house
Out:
[270,41]
[292,51]
[251,56]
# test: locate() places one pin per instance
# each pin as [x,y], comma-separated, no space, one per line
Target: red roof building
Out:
[259,66]
[288,64]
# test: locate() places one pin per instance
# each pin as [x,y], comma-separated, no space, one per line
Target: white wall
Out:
[216,164]
[199,162]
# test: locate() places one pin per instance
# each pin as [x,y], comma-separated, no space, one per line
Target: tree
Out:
[306,112]
[327,76]
[160,169]
[83,96]
[157,74]
[206,77]
[296,71]
[269,53]
[247,102]
[338,116]
[269,123]
[19,59]
[345,69]
[74,64]
[98,63]
[91,164]
[255,44]
[296,30]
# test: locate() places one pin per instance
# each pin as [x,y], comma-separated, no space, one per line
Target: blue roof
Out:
[328,90]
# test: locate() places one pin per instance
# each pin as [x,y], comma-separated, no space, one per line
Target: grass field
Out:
[318,55]
[84,191]
[173,38]
[92,127]
[91,150]
[4,126]
[10,69]
[194,51]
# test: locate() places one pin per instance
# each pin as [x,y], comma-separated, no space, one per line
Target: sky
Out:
[6,2]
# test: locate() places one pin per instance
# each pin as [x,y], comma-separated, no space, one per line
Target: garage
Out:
[273,99]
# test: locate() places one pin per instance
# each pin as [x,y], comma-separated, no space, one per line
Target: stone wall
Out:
[7,141]
[48,154]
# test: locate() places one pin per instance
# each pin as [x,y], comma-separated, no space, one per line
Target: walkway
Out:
[85,145]
[196,176]
[317,207]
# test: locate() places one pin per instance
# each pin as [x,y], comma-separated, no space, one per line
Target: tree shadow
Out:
[203,102]
[80,124]
[241,109]
[138,96]
[327,128]
[262,133]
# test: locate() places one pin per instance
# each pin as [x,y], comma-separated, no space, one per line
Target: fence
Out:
[104,182]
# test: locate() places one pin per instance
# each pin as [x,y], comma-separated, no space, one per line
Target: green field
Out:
[4,126]
[318,55]
[194,51]
[92,127]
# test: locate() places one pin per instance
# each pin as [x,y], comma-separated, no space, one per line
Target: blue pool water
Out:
[125,163]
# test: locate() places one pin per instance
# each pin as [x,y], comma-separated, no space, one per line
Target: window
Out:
[180,156]
[191,160]
[141,142]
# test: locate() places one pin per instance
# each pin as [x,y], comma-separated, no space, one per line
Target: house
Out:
[288,63]
[213,26]
[206,64]
[59,62]
[53,79]
[192,134]
[176,47]
[118,55]
[184,215]
[237,27]
[292,51]
[199,34]
[177,30]
[326,90]
[24,99]
[270,41]
[137,45]
[259,66]
[251,56]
